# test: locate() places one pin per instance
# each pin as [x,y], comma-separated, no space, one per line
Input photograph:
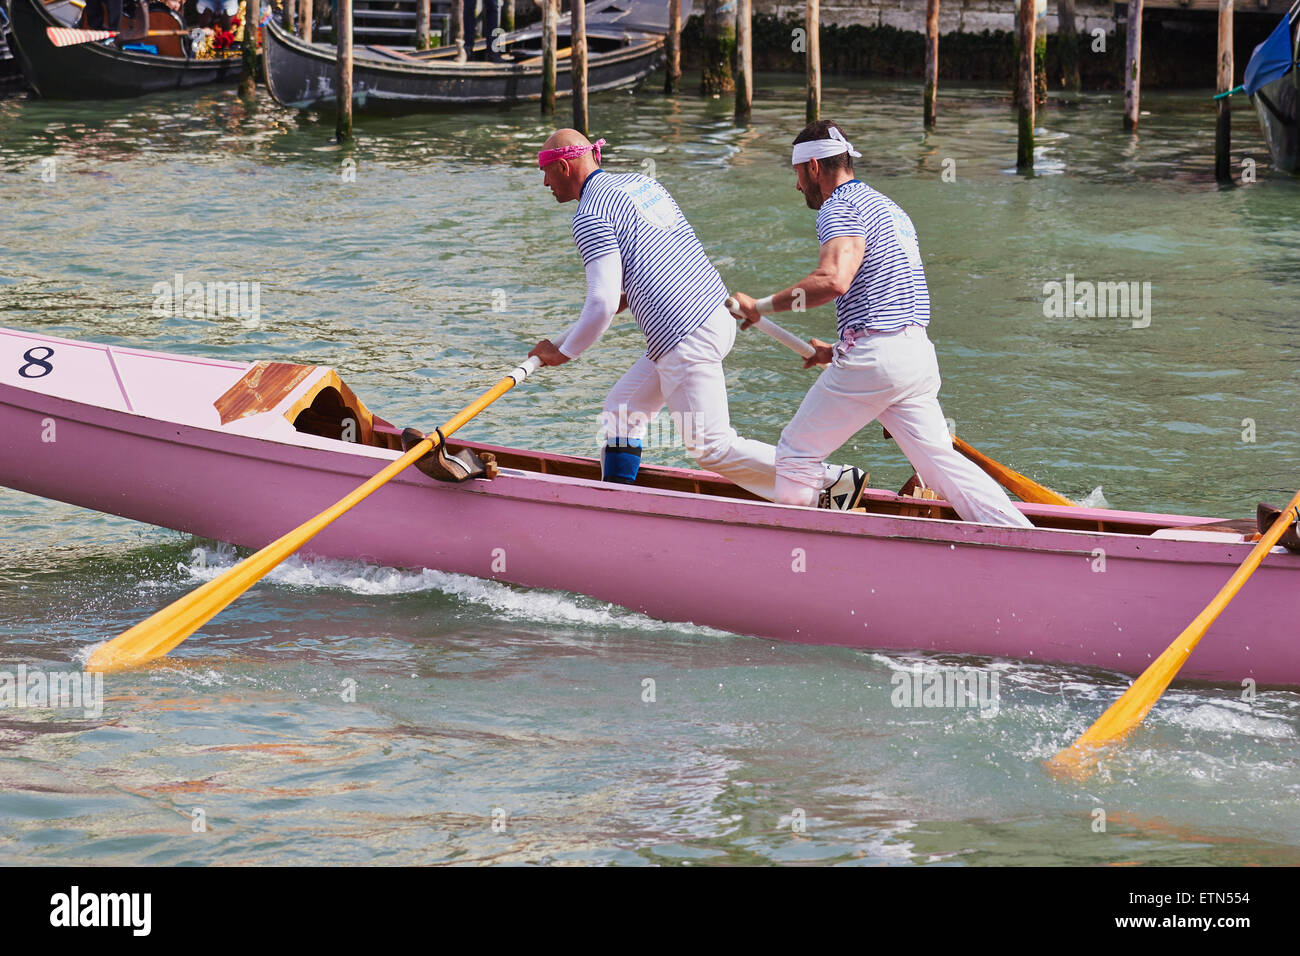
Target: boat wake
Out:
[1058,702]
[1094,499]
[1228,717]
[507,600]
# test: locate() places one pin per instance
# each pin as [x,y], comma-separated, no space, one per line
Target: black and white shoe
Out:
[846,492]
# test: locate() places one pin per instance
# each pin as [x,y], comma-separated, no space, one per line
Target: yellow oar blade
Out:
[1080,758]
[1026,489]
[154,637]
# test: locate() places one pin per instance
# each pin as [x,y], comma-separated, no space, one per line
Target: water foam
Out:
[509,601]
[1222,718]
[1094,499]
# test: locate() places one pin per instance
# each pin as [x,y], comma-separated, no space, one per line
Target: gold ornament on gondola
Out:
[214,43]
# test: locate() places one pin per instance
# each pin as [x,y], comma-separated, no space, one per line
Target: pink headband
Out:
[548,156]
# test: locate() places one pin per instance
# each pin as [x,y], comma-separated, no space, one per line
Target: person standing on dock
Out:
[632,236]
[884,366]
[489,27]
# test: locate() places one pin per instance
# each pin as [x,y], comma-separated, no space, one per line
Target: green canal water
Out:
[426,261]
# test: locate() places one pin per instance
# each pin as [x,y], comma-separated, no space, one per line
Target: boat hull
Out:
[301,75]
[802,575]
[1275,104]
[98,71]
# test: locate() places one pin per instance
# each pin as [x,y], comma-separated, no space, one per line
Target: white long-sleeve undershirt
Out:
[604,290]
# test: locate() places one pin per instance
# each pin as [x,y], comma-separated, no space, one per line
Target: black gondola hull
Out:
[302,75]
[1276,105]
[98,71]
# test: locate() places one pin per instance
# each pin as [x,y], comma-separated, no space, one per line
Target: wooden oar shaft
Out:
[1135,703]
[167,628]
[72,36]
[1024,488]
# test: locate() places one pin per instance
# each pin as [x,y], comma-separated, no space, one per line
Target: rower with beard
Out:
[883,367]
[632,236]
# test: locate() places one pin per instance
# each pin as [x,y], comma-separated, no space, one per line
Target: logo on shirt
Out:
[652,204]
[906,234]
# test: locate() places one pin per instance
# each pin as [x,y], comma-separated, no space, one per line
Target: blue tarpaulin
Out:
[1271,59]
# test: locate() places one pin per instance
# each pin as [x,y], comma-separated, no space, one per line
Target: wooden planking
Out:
[263,387]
[589,468]
[390,52]
[563,53]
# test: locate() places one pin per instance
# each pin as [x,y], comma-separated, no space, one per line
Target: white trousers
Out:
[689,379]
[891,377]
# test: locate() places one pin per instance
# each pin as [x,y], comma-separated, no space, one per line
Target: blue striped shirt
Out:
[889,291]
[671,286]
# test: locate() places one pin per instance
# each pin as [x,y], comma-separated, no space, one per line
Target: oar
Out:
[1023,487]
[160,633]
[1079,759]
[67,36]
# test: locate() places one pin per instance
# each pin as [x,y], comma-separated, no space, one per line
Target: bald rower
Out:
[640,252]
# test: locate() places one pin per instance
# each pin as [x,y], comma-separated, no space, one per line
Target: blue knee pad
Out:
[621,461]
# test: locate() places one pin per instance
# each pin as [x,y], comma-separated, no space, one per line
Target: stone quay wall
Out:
[955,16]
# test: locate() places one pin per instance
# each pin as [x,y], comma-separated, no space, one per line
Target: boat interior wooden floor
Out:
[335,414]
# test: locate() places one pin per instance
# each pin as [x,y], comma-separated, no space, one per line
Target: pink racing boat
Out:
[244,452]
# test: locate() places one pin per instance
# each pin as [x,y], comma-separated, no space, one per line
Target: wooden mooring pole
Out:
[744,60]
[578,63]
[673,48]
[931,60]
[1025,87]
[456,27]
[1067,35]
[718,24]
[421,24]
[508,16]
[343,84]
[248,79]
[812,23]
[550,12]
[1133,65]
[1223,127]
[305,13]
[289,15]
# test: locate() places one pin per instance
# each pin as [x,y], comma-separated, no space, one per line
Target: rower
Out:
[884,366]
[632,236]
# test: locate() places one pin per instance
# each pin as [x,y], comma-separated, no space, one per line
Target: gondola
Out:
[101,70]
[625,40]
[1272,81]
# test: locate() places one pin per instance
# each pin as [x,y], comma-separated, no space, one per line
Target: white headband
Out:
[823,148]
